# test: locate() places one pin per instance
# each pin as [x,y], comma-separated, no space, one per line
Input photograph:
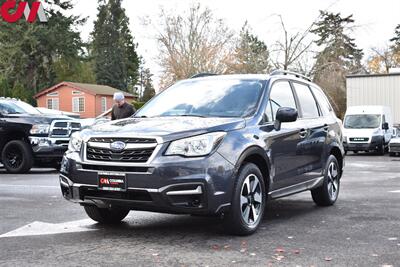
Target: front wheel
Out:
[248,201]
[17,157]
[328,192]
[381,149]
[106,216]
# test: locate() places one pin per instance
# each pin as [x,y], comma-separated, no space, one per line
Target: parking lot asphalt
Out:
[38,227]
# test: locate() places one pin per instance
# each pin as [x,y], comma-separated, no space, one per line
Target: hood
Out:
[359,132]
[167,128]
[34,119]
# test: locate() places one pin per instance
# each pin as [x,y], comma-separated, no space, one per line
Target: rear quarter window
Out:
[323,101]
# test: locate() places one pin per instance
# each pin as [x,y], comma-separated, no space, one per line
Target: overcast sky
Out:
[376,20]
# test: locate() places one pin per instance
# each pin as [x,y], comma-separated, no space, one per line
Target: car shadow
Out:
[176,226]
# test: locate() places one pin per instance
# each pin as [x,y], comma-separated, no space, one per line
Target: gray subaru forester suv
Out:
[211,145]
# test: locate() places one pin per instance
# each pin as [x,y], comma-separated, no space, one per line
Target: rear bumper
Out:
[176,185]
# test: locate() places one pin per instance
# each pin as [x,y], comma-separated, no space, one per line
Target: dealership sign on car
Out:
[12,11]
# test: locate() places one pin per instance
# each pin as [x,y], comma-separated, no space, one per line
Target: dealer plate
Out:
[112,181]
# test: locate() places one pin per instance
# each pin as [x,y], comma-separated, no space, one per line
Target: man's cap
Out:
[119,96]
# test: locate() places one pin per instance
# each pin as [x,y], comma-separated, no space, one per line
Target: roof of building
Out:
[93,89]
[372,75]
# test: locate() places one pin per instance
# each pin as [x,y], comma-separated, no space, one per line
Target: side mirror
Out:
[385,126]
[285,114]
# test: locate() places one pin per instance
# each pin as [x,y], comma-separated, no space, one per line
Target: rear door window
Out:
[308,105]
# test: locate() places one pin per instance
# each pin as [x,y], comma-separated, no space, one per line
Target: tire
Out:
[17,157]
[381,149]
[355,151]
[328,192]
[392,154]
[106,216]
[248,206]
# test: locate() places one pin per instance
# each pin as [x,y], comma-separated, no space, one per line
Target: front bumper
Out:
[169,184]
[394,147]
[375,144]
[48,149]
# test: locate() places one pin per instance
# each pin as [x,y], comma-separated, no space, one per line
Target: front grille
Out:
[135,195]
[359,139]
[97,150]
[64,129]
[394,145]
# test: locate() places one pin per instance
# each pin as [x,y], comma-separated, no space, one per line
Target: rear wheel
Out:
[248,202]
[106,216]
[17,157]
[328,192]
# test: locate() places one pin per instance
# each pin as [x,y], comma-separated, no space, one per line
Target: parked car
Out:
[394,144]
[102,118]
[367,128]
[214,145]
[58,112]
[29,138]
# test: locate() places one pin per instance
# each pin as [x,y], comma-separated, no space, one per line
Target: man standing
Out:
[121,109]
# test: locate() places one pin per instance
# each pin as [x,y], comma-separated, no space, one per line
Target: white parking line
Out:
[396,191]
[42,228]
[29,186]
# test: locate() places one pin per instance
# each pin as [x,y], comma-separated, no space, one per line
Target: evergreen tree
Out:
[396,39]
[116,62]
[29,51]
[339,56]
[251,55]
[149,91]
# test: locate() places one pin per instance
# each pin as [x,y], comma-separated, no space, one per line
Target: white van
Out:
[367,128]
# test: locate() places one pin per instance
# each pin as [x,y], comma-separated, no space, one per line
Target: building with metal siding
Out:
[375,89]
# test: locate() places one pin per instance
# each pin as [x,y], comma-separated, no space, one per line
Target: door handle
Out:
[303,133]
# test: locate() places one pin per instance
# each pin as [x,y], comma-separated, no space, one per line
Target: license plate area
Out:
[110,181]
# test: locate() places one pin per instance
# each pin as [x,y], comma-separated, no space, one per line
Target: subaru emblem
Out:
[117,146]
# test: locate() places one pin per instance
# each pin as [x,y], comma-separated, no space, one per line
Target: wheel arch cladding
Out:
[256,156]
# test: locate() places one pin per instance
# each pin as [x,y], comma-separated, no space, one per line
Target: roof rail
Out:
[200,75]
[286,72]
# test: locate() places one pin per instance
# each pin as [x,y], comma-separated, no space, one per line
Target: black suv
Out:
[28,137]
[213,145]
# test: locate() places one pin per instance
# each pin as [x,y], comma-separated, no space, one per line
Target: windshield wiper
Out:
[191,115]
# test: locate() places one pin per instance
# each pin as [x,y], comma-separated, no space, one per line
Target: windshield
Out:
[206,98]
[364,121]
[10,108]
[28,108]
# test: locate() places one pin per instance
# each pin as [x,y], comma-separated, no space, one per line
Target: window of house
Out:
[53,94]
[77,93]
[281,96]
[53,103]
[103,104]
[309,108]
[78,104]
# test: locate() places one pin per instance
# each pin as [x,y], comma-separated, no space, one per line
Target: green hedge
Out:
[138,105]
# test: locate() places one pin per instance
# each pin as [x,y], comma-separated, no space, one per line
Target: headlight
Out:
[40,129]
[75,143]
[201,145]
[344,138]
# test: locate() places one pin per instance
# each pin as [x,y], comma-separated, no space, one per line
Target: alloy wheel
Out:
[251,200]
[14,157]
[333,180]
